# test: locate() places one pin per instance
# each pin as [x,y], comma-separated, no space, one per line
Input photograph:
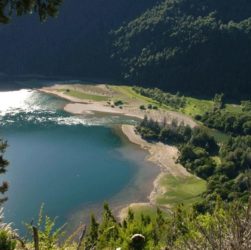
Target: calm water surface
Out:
[72,164]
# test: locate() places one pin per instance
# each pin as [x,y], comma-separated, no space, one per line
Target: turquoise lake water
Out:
[72,164]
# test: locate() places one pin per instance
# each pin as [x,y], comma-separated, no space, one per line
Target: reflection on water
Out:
[16,101]
[26,107]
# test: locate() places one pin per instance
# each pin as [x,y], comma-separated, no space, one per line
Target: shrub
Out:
[6,243]
[198,117]
[118,103]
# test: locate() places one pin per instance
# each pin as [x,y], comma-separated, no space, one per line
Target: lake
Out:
[72,164]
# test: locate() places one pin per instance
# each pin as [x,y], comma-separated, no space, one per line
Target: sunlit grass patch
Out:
[234,109]
[186,190]
[128,93]
[83,95]
[196,107]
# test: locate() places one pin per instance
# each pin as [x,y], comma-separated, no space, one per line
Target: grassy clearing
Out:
[186,190]
[234,109]
[196,106]
[83,95]
[127,93]
[193,106]
[199,107]
[219,136]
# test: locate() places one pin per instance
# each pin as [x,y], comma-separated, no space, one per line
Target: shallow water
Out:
[72,164]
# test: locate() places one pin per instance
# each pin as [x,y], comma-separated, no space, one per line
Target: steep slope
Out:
[194,46]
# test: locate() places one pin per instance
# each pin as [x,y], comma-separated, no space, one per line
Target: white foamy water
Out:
[30,107]
[15,101]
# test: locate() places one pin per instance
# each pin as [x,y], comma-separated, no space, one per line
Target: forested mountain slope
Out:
[187,45]
[201,46]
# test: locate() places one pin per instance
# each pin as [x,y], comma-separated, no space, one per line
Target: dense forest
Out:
[197,47]
[189,45]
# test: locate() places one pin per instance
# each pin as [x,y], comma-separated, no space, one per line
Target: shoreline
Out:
[161,155]
[79,106]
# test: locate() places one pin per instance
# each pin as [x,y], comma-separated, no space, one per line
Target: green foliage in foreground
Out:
[3,168]
[47,234]
[6,243]
[226,227]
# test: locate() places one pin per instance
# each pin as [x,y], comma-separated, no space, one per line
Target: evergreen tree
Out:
[3,168]
[92,236]
[44,8]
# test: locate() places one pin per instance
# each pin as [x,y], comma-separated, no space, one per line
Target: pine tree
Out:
[44,9]
[92,235]
[3,168]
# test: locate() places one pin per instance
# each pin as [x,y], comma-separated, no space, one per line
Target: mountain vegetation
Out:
[43,8]
[189,46]
[226,168]
[3,168]
[197,47]
[234,123]
[226,227]
[174,101]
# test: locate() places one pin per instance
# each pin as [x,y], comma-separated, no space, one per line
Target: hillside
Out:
[197,47]
[194,46]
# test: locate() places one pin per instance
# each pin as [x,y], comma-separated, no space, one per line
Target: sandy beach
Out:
[79,106]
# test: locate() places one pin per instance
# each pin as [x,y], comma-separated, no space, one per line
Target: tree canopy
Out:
[44,8]
[3,168]
[201,46]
